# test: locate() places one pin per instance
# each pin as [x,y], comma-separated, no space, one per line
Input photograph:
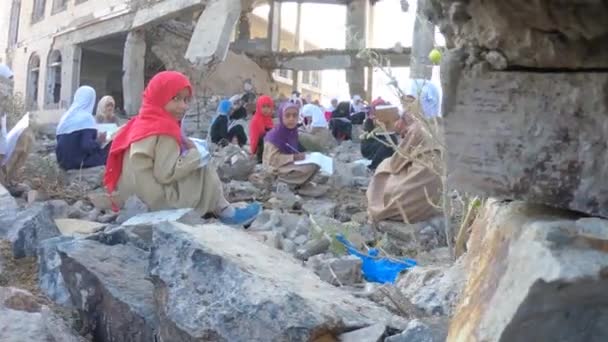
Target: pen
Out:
[292,148]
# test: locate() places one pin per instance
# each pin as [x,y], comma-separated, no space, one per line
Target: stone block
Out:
[27,229]
[535,274]
[539,137]
[24,317]
[108,285]
[217,283]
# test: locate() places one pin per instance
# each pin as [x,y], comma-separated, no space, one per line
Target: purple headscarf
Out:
[285,139]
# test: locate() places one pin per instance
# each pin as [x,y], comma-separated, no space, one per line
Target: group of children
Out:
[151,157]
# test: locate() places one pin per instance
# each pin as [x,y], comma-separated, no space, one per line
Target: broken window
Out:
[284,73]
[38,11]
[59,5]
[13,28]
[33,75]
[53,80]
[315,79]
[306,77]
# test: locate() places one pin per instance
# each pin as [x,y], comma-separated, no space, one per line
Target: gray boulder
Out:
[420,331]
[108,286]
[373,333]
[26,229]
[215,283]
[24,317]
[50,279]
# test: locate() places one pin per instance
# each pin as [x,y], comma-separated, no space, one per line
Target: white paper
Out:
[109,128]
[325,163]
[13,136]
[203,149]
[3,135]
[365,162]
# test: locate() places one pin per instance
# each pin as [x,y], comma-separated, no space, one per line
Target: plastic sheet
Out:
[374,268]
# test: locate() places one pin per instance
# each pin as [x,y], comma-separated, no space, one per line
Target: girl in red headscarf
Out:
[151,158]
[260,124]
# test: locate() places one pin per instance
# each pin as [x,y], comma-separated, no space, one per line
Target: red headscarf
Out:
[152,119]
[260,123]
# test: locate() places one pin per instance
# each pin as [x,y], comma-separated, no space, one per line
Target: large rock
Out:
[538,34]
[536,274]
[26,229]
[540,138]
[50,279]
[24,317]
[216,283]
[108,285]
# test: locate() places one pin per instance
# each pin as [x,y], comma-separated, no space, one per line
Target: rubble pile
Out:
[138,275]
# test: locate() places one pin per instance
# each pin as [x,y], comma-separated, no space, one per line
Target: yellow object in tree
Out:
[435,56]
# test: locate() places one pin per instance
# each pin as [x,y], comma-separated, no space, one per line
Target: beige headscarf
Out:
[101,107]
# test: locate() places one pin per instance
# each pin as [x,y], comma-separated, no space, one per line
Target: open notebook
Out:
[325,163]
[201,146]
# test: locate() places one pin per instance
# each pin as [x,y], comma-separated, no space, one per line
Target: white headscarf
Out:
[5,71]
[80,115]
[430,98]
[318,117]
[357,107]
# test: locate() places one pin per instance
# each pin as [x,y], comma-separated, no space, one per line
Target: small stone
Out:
[133,207]
[497,60]
[289,246]
[35,196]
[342,271]
[76,213]
[300,240]
[373,333]
[107,218]
[320,207]
[313,247]
[416,331]
[74,227]
[93,214]
[59,208]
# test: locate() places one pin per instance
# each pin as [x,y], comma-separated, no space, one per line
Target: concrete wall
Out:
[37,37]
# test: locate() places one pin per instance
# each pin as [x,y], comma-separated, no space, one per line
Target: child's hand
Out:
[189,144]
[101,137]
[299,156]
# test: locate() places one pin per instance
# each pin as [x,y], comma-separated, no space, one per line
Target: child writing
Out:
[280,149]
[151,158]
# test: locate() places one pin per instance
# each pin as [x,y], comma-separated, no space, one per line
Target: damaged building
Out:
[55,46]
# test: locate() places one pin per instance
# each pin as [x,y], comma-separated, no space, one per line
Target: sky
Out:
[324,25]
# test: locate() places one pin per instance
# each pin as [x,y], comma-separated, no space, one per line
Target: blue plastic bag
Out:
[375,269]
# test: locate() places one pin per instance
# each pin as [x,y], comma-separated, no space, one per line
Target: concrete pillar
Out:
[274,26]
[356,39]
[133,71]
[71,57]
[370,43]
[244,27]
[299,47]
[211,37]
[422,44]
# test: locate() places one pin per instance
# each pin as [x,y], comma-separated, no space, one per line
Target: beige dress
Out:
[154,170]
[401,187]
[282,165]
[23,148]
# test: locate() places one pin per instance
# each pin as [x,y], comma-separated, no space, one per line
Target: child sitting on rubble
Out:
[79,145]
[316,136]
[105,111]
[407,187]
[222,131]
[260,124]
[152,159]
[281,150]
